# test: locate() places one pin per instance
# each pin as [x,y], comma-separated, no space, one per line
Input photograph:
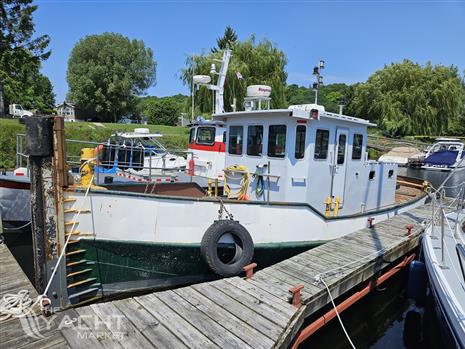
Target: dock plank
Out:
[249,334]
[149,326]
[210,328]
[181,328]
[239,310]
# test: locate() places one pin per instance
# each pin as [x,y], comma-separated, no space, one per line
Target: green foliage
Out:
[406,98]
[20,56]
[163,111]
[328,95]
[106,72]
[258,63]
[228,40]
[146,105]
[173,137]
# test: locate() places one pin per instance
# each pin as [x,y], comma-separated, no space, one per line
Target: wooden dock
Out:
[238,312]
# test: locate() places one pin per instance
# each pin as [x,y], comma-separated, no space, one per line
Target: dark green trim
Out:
[131,266]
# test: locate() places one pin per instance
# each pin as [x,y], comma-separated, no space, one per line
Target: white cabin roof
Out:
[296,113]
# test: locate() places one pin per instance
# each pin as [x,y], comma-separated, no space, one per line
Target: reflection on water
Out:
[385,319]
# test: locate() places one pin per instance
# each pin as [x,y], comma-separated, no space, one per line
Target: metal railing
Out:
[143,162]
[438,210]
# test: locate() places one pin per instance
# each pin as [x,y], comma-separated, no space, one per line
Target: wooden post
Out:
[46,198]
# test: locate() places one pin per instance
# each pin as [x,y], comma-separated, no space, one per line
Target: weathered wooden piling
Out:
[47,178]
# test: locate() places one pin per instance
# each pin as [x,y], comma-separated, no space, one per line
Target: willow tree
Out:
[251,64]
[407,99]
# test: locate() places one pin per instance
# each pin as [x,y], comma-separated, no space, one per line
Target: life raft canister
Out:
[211,249]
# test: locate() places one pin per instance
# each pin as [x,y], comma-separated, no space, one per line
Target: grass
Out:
[173,136]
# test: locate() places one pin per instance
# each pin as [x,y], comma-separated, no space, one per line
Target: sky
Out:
[355,38]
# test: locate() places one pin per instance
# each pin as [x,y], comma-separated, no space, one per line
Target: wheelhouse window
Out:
[206,135]
[277,141]
[341,149]
[255,140]
[357,146]
[235,140]
[321,144]
[192,135]
[300,133]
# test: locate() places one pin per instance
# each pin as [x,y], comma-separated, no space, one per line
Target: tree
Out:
[162,111]
[257,63]
[20,56]
[407,99]
[106,73]
[328,96]
[228,40]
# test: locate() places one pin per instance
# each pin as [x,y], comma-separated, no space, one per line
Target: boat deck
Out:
[239,312]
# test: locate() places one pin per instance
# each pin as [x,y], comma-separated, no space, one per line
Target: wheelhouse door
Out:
[339,167]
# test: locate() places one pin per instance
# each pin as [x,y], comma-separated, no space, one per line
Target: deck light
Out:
[315,71]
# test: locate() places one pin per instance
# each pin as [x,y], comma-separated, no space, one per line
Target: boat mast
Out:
[202,80]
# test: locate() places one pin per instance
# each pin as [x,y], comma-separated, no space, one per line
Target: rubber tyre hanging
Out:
[244,247]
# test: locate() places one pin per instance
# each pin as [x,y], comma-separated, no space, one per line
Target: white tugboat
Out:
[294,178]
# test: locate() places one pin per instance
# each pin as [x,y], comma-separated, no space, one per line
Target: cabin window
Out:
[300,133]
[206,135]
[357,147]
[371,175]
[390,173]
[277,141]
[255,140]
[321,144]
[192,135]
[341,149]
[235,140]
[224,137]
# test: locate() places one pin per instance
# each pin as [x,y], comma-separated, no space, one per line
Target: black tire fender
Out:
[244,247]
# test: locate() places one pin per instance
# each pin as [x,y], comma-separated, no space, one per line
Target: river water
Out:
[387,319]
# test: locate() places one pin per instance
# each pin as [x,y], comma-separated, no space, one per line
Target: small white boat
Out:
[139,153]
[444,253]
[445,154]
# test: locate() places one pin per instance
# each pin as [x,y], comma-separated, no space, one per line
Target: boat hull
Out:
[156,243]
[445,284]
[122,266]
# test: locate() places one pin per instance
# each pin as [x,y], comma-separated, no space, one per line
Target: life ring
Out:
[243,244]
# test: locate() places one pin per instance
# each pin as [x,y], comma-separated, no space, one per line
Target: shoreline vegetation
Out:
[174,137]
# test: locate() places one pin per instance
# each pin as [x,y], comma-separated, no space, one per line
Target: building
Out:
[67,110]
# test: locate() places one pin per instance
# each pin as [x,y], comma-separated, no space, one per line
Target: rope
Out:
[337,313]
[15,305]
[241,194]
[17,228]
